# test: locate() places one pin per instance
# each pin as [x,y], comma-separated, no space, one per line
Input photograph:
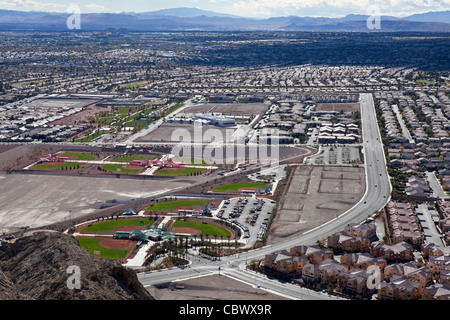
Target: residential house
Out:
[444,276]
[282,261]
[355,281]
[400,288]
[433,249]
[343,241]
[310,273]
[438,263]
[403,223]
[397,252]
[314,253]
[438,291]
[329,270]
[368,230]
[362,260]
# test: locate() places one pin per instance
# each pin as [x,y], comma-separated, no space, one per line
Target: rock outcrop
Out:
[45,267]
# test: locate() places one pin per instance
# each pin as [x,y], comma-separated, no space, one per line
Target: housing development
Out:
[233,165]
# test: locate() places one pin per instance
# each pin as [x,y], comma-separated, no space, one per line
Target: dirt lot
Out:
[345,107]
[165,131]
[316,195]
[228,108]
[213,287]
[21,156]
[80,117]
[39,200]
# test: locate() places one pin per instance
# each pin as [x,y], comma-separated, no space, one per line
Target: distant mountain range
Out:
[192,19]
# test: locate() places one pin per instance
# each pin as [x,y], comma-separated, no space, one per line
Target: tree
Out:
[215,242]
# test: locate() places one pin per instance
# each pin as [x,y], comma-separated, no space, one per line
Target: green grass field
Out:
[236,186]
[192,161]
[206,229]
[63,166]
[109,226]
[92,136]
[129,159]
[79,156]
[119,168]
[133,85]
[93,244]
[173,205]
[185,172]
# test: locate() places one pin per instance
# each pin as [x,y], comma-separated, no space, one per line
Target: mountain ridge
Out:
[188,20]
[35,268]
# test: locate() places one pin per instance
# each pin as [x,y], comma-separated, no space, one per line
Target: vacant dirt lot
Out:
[213,287]
[345,107]
[39,200]
[316,195]
[228,108]
[82,116]
[166,132]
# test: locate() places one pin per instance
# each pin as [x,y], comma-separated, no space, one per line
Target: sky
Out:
[244,8]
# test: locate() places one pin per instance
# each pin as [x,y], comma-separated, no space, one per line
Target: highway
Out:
[378,190]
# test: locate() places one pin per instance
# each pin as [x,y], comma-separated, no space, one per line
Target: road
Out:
[405,130]
[378,189]
[153,126]
[435,185]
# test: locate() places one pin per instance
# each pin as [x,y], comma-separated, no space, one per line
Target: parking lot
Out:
[248,213]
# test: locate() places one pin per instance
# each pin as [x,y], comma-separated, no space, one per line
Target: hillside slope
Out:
[36,267]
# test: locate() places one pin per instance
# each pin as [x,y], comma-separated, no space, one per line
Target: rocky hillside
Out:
[36,267]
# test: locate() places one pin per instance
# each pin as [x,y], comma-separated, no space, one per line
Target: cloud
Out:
[93,7]
[266,8]
[32,5]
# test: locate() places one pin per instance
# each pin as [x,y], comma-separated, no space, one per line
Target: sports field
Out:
[109,226]
[206,228]
[78,155]
[59,166]
[191,161]
[174,205]
[93,245]
[237,186]
[129,159]
[120,168]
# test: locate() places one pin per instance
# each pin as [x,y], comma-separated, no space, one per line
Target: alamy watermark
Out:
[374,19]
[74,20]
[374,280]
[227,146]
[74,280]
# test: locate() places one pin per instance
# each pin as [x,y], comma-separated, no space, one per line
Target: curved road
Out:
[378,190]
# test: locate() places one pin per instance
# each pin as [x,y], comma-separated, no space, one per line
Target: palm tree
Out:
[186,238]
[169,245]
[180,239]
[220,244]
[206,244]
[201,240]
[216,247]
[195,238]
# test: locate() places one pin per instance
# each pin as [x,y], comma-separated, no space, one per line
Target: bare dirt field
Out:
[80,117]
[228,108]
[21,156]
[213,287]
[40,200]
[314,196]
[166,132]
[345,107]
